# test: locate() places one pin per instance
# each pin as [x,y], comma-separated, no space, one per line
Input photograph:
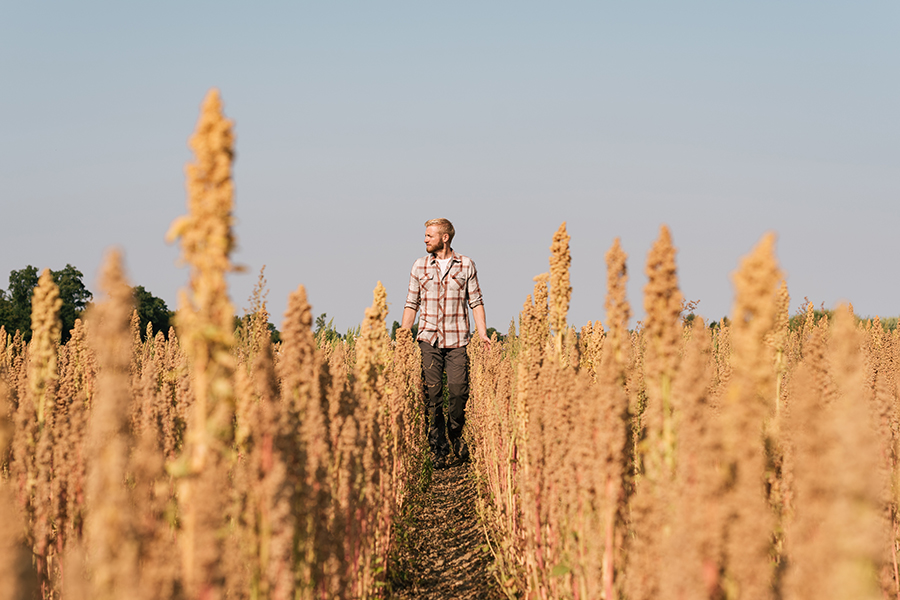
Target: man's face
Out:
[434,240]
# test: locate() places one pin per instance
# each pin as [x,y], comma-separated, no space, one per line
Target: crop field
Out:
[754,458]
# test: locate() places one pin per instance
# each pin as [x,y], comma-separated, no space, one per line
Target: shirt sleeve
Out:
[473,290]
[412,296]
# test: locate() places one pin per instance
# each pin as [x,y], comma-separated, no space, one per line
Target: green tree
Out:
[21,287]
[152,310]
[5,311]
[15,306]
[74,295]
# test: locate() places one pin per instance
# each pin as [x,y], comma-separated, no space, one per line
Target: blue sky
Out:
[356,122]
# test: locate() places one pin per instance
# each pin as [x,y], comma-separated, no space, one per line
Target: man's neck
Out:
[445,252]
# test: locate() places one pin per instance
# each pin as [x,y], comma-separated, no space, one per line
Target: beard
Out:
[436,247]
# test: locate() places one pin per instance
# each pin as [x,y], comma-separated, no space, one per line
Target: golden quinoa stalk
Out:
[881,389]
[136,348]
[592,336]
[371,347]
[26,431]
[65,425]
[4,347]
[262,557]
[779,494]
[37,418]
[560,290]
[7,427]
[662,337]
[407,419]
[721,355]
[548,407]
[778,340]
[618,312]
[17,576]
[175,389]
[693,550]
[113,545]
[838,539]
[748,403]
[371,359]
[541,308]
[307,448]
[533,337]
[616,435]
[46,329]
[205,327]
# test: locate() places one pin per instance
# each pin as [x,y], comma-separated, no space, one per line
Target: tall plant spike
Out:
[111,522]
[663,331]
[560,290]
[204,323]
[749,402]
[46,329]
[618,311]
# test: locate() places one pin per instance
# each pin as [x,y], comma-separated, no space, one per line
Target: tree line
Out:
[15,302]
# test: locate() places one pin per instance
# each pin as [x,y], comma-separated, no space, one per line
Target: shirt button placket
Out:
[441,312]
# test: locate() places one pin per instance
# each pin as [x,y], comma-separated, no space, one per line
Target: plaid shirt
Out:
[442,300]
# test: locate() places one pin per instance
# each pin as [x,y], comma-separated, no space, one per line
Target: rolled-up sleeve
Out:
[412,296]
[473,290]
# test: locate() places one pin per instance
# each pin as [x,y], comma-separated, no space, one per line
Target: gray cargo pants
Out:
[434,361]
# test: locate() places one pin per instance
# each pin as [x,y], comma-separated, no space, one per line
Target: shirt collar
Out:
[454,257]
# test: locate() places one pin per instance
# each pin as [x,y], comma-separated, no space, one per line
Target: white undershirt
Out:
[444,263]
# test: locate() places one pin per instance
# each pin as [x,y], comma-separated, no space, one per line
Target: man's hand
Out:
[487,341]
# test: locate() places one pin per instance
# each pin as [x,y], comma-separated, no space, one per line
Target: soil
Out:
[445,555]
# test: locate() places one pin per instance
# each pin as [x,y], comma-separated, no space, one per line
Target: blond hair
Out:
[444,225]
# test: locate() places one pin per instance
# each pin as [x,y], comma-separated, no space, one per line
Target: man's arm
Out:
[480,322]
[409,318]
[412,301]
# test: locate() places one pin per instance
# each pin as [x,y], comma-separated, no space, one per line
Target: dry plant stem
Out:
[205,325]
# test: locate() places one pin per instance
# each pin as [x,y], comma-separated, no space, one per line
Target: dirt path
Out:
[445,556]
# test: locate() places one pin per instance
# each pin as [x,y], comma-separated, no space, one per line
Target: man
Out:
[443,285]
